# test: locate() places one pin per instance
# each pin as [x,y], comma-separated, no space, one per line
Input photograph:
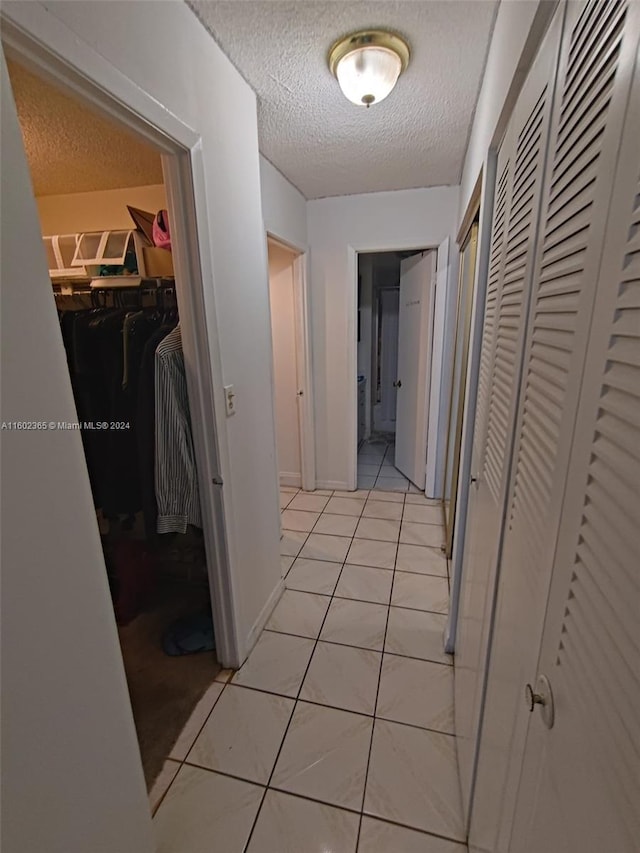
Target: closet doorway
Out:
[132,339]
[291,364]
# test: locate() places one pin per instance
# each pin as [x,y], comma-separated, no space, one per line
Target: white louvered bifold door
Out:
[480,551]
[581,779]
[518,187]
[597,58]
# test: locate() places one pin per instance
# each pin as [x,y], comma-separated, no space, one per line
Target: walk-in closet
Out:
[107,235]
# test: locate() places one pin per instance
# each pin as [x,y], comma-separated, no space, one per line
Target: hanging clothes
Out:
[104,346]
[146,428]
[176,477]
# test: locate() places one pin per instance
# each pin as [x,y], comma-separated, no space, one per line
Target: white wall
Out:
[283,325]
[71,776]
[283,207]
[201,95]
[508,60]
[102,210]
[407,219]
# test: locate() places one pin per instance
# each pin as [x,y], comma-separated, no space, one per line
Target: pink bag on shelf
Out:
[161,232]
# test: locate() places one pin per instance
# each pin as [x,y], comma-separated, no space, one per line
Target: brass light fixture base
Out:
[368,38]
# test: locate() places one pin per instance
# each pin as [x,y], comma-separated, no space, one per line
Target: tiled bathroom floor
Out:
[337,733]
[376,469]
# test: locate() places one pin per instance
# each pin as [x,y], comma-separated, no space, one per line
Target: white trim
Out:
[471,394]
[439,353]
[287,478]
[306,422]
[438,340]
[431,320]
[263,618]
[352,373]
[44,43]
[334,485]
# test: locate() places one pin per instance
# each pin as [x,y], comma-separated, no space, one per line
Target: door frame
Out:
[304,373]
[93,80]
[352,351]
[481,203]
[463,327]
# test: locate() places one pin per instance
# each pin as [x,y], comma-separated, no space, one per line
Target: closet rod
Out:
[148,285]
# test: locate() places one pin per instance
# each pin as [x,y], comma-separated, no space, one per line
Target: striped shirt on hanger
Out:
[175,474]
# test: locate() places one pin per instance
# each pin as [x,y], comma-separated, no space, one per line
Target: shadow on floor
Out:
[164,690]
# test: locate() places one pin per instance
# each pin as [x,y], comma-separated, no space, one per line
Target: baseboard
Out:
[288,479]
[263,618]
[334,485]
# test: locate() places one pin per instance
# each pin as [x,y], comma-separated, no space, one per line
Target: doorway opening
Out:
[396,292]
[121,319]
[288,300]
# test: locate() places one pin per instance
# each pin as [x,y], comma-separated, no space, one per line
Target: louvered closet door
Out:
[518,188]
[581,779]
[597,59]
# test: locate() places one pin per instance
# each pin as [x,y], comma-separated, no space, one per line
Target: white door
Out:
[580,789]
[415,320]
[517,193]
[285,362]
[583,148]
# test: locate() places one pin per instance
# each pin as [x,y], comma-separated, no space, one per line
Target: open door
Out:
[415,322]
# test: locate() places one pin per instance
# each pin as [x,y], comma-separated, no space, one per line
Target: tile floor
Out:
[376,469]
[338,732]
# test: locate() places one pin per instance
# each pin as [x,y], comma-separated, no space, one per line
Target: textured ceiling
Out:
[324,144]
[70,148]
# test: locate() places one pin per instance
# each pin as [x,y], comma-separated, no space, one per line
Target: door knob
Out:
[398,384]
[542,696]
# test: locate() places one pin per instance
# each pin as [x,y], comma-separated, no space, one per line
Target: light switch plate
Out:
[230,399]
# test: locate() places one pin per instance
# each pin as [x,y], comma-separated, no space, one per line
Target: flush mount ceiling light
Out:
[368,64]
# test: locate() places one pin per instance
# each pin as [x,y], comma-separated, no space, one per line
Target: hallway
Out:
[337,733]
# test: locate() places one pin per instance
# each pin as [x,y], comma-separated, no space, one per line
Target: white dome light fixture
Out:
[367,64]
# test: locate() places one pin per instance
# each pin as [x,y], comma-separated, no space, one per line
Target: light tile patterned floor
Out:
[376,469]
[337,733]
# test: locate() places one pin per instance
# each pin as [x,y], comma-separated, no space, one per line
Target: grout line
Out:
[183,761]
[365,648]
[297,697]
[449,838]
[302,699]
[416,726]
[322,802]
[312,800]
[225,773]
[375,706]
